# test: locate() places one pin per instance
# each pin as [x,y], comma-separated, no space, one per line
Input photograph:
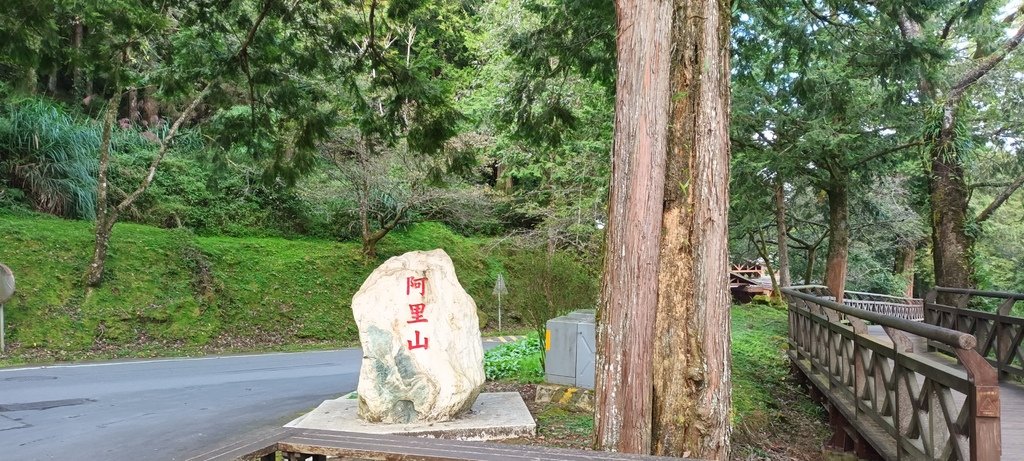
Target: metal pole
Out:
[3,343]
[499,312]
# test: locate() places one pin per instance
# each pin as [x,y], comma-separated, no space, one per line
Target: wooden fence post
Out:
[983,401]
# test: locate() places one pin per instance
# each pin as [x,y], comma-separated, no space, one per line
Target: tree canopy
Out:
[872,145]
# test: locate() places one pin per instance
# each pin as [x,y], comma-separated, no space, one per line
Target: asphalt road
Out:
[161,409]
[166,409]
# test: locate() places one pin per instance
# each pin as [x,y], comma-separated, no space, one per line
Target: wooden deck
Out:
[1011,395]
[302,444]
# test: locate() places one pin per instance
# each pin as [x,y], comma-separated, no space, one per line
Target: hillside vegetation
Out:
[169,292]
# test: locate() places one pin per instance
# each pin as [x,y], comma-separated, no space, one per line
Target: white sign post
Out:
[6,291]
[500,289]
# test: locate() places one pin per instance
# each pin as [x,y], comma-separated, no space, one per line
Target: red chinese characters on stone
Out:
[419,345]
[416,311]
[412,283]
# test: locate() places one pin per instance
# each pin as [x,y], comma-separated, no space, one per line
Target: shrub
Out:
[543,286]
[49,156]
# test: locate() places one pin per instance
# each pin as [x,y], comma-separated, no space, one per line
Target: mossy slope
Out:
[168,291]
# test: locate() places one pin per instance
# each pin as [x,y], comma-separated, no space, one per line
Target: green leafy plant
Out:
[517,361]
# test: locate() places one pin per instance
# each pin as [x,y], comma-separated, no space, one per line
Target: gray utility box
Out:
[570,345]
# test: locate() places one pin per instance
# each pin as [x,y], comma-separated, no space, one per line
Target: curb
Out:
[504,339]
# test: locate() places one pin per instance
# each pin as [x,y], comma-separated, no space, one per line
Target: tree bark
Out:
[812,254]
[30,79]
[133,105]
[629,292]
[692,384]
[51,81]
[839,238]
[104,224]
[951,246]
[904,265]
[371,239]
[363,192]
[77,78]
[782,232]
[150,108]
[761,244]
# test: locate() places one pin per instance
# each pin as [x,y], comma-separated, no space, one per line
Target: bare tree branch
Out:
[821,17]
[886,152]
[243,51]
[983,185]
[983,67]
[805,245]
[165,144]
[948,27]
[805,221]
[1000,199]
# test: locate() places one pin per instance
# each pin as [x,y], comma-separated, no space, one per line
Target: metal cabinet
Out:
[570,349]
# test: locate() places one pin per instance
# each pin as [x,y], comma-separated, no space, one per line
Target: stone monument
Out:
[6,291]
[422,357]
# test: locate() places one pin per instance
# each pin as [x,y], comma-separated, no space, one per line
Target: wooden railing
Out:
[999,333]
[893,306]
[905,405]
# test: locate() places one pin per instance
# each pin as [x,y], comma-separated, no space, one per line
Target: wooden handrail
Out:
[842,360]
[946,336]
[990,294]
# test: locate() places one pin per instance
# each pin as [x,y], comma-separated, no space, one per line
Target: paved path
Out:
[164,409]
[154,409]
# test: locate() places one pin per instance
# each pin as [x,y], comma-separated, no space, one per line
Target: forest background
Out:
[290,146]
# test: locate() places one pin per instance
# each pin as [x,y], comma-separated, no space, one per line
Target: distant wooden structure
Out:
[749,279]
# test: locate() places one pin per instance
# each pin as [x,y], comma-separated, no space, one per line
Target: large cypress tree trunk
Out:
[951,252]
[951,244]
[692,397]
[839,238]
[629,292]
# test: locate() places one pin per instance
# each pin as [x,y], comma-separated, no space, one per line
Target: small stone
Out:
[546,392]
[585,401]
[422,356]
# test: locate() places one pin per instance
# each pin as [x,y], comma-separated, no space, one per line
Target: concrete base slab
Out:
[494,416]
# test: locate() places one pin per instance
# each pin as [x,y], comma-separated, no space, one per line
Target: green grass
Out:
[168,292]
[759,365]
[567,420]
[773,417]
